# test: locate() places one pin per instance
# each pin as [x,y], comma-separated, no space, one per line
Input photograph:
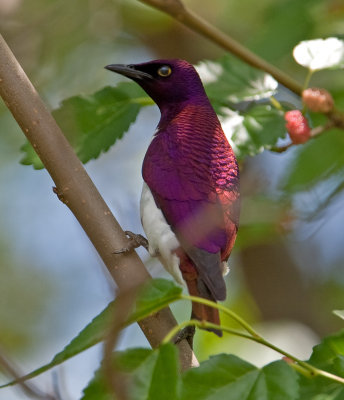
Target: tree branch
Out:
[177,10]
[79,193]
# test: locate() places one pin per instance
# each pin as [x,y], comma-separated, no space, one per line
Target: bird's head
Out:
[165,81]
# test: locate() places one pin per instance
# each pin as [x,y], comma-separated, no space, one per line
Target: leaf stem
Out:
[227,311]
[143,101]
[276,103]
[300,366]
[308,78]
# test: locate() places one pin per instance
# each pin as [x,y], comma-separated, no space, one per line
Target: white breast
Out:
[162,241]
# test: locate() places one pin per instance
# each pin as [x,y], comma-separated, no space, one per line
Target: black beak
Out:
[128,71]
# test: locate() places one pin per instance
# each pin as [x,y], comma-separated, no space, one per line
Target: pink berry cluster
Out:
[297,126]
[316,100]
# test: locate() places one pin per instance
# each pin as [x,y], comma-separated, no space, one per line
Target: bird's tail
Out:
[202,312]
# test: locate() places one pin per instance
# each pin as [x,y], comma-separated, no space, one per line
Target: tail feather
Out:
[202,312]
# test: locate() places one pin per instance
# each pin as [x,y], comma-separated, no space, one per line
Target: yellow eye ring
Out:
[165,71]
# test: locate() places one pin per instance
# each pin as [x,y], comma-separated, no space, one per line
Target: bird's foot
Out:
[135,241]
[187,333]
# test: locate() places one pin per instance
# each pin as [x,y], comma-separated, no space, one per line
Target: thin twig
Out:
[318,130]
[177,10]
[224,309]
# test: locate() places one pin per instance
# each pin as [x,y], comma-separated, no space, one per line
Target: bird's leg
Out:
[135,241]
[187,333]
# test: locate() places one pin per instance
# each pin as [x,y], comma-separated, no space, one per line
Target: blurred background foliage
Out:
[287,270]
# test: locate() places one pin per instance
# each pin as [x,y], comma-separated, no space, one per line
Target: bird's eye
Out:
[165,71]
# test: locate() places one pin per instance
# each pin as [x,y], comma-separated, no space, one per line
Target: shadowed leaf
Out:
[153,375]
[315,161]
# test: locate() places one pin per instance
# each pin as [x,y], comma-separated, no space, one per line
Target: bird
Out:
[190,201]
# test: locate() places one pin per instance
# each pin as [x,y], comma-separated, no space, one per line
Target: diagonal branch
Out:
[78,192]
[177,10]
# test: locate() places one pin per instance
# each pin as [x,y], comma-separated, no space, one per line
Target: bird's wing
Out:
[197,212]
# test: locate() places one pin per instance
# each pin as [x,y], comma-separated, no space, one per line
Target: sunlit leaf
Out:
[229,377]
[329,356]
[230,80]
[329,348]
[320,53]
[255,130]
[157,294]
[93,123]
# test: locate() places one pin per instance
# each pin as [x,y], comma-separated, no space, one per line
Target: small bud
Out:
[297,126]
[318,100]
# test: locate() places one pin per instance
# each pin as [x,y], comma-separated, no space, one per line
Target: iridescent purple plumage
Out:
[192,174]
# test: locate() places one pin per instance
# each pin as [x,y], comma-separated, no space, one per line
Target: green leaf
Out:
[315,161]
[339,313]
[129,360]
[255,130]
[30,156]
[157,294]
[153,375]
[98,388]
[93,123]
[285,23]
[329,348]
[156,378]
[230,80]
[320,54]
[228,377]
[329,356]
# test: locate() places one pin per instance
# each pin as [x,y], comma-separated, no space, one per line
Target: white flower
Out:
[209,71]
[320,53]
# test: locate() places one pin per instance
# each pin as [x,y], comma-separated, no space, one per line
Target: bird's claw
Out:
[187,333]
[135,241]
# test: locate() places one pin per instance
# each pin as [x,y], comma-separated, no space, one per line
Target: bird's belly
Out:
[162,241]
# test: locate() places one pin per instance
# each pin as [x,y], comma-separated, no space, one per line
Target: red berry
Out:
[318,100]
[297,126]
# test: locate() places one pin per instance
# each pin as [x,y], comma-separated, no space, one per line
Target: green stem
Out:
[300,366]
[276,103]
[220,307]
[202,325]
[143,101]
[308,78]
